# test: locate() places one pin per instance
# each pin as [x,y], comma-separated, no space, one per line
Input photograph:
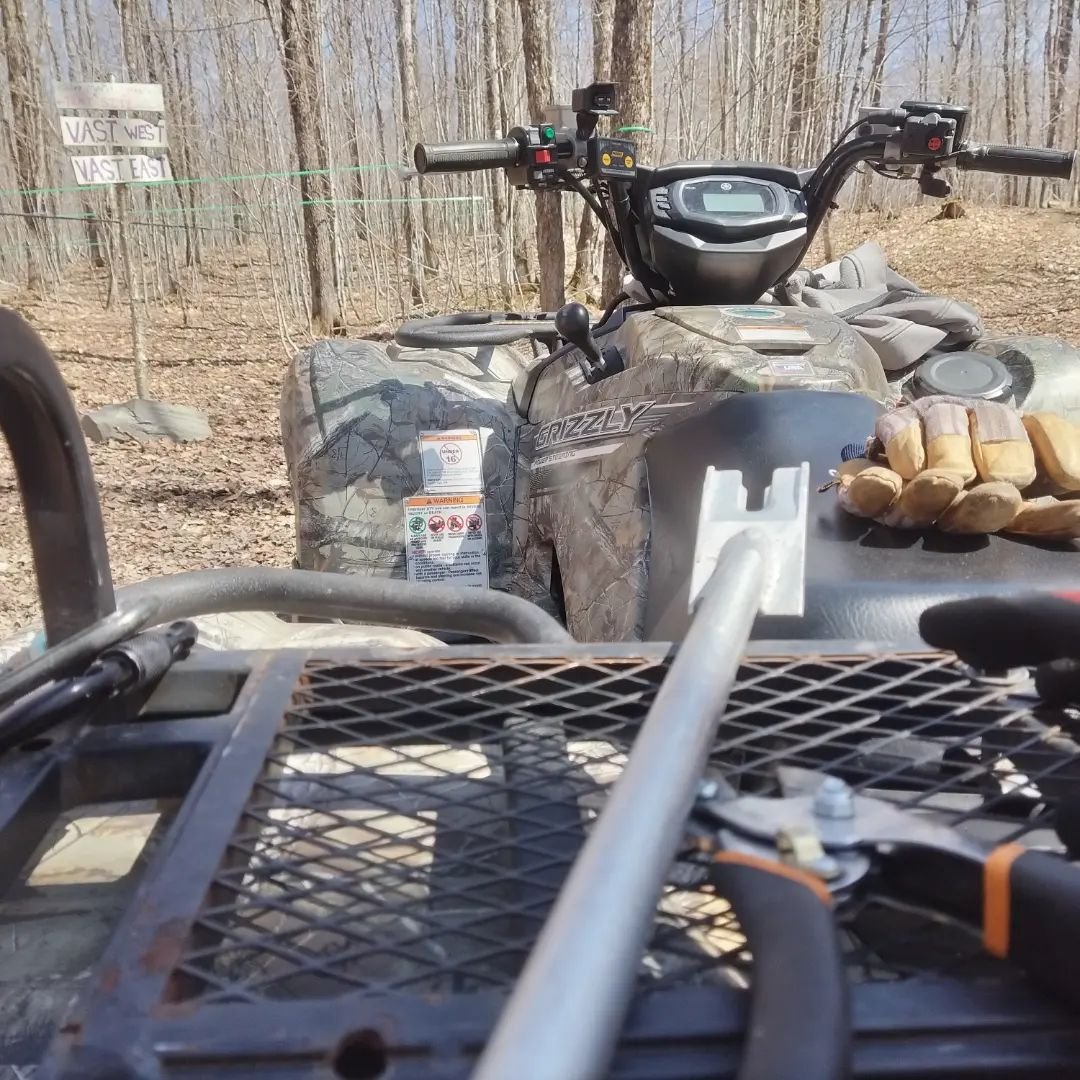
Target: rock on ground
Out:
[145,420]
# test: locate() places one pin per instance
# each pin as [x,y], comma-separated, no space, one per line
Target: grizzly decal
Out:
[595,422]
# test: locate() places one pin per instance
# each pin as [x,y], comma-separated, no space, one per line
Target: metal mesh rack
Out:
[372,845]
[414,822]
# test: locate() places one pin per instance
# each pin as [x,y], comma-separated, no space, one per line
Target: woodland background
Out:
[293,211]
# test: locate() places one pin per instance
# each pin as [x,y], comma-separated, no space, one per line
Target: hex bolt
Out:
[834,799]
[708,789]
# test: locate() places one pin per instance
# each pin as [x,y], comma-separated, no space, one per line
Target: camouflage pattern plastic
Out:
[586,442]
[1045,372]
[696,349]
[350,416]
[567,493]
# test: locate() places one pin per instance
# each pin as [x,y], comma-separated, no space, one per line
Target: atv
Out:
[563,460]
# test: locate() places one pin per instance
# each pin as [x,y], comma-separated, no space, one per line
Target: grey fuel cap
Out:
[963,374]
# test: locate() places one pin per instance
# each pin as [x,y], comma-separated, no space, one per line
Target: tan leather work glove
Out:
[961,466]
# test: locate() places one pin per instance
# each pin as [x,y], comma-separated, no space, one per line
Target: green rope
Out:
[201,180]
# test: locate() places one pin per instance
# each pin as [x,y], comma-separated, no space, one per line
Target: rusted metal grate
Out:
[414,821]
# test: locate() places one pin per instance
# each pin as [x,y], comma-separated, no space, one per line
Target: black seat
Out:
[863,580]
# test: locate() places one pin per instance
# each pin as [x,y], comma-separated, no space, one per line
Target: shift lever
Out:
[574,325]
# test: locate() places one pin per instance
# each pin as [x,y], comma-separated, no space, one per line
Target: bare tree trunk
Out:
[300,44]
[357,192]
[1059,54]
[537,32]
[130,17]
[806,38]
[877,68]
[414,133]
[180,136]
[856,82]
[406,22]
[493,105]
[877,74]
[584,278]
[631,69]
[25,136]
[1008,44]
[1060,58]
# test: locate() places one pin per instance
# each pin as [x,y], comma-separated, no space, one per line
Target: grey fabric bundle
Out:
[900,321]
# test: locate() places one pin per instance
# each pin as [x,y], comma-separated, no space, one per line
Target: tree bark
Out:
[1008,45]
[521,227]
[1060,57]
[406,23]
[631,69]
[806,44]
[584,278]
[25,137]
[537,33]
[300,42]
[493,112]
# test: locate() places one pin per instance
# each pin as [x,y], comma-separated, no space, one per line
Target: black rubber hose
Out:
[486,613]
[75,653]
[799,1026]
[56,484]
[37,713]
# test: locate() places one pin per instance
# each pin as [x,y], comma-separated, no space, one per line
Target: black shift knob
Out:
[574,325]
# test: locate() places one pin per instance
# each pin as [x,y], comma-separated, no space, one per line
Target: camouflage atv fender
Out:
[351,412]
[588,482]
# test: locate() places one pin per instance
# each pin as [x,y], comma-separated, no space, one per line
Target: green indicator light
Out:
[549,133]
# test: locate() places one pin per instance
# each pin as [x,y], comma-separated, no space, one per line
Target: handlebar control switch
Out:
[926,138]
[612,159]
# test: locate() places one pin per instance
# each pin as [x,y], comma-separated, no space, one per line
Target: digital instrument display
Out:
[733,202]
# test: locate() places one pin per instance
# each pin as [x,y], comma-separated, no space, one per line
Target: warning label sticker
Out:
[446,540]
[452,460]
[790,368]
[774,335]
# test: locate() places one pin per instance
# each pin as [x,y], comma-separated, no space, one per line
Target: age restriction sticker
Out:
[452,460]
[446,540]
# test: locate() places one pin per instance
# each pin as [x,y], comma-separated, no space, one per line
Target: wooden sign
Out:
[119,169]
[110,97]
[111,131]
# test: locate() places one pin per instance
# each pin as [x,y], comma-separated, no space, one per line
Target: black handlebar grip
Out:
[998,632]
[1019,161]
[1031,916]
[466,156]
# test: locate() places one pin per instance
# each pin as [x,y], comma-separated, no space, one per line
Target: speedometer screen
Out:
[733,202]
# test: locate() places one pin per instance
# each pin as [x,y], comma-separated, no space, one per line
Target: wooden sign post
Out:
[102,120]
[117,133]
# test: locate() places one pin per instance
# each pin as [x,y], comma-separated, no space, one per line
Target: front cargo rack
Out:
[352,856]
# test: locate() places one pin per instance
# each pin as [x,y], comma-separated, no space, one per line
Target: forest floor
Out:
[226,501]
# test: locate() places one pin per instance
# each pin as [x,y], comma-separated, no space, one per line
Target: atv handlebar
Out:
[1019,161]
[467,156]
